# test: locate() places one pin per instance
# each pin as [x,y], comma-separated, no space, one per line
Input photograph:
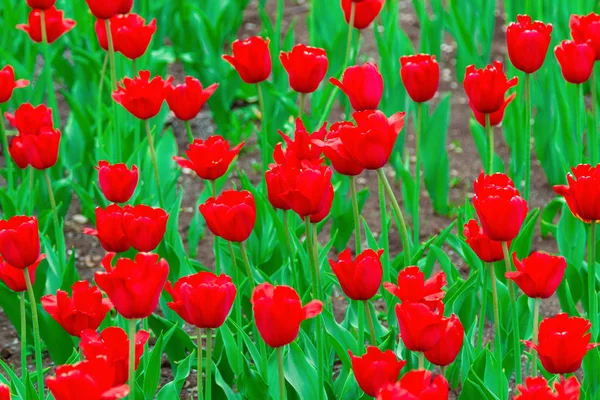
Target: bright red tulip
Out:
[276,187]
[41,4]
[134,286]
[538,275]
[360,279]
[8,83]
[251,59]
[30,120]
[486,87]
[563,342]
[40,151]
[306,67]
[365,13]
[446,350]
[335,150]
[144,226]
[14,278]
[535,389]
[497,116]
[304,145]
[110,229]
[324,211]
[527,42]
[420,327]
[421,76]
[105,9]
[113,344]
[85,309]
[186,99]
[307,189]
[586,28]
[278,313]
[20,241]
[567,389]
[363,84]
[416,385]
[100,28]
[56,24]
[132,36]
[4,392]
[413,288]
[576,60]
[203,299]
[117,181]
[209,159]
[582,192]
[231,215]
[376,369]
[487,250]
[141,96]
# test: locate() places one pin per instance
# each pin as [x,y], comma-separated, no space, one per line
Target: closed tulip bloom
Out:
[30,120]
[14,278]
[105,9]
[4,392]
[538,275]
[416,385]
[563,342]
[186,99]
[141,96]
[497,116]
[56,24]
[446,350]
[306,67]
[110,229]
[487,87]
[420,327]
[487,250]
[40,151]
[308,188]
[203,299]
[133,36]
[586,28]
[413,288]
[365,13]
[336,152]
[582,192]
[304,145]
[230,216]
[276,187]
[251,59]
[134,286]
[376,369]
[360,279]
[363,84]
[325,209]
[117,181]
[527,42]
[421,76]
[535,388]
[41,4]
[124,6]
[576,60]
[144,226]
[209,159]
[85,309]
[113,344]
[100,28]
[8,83]
[20,241]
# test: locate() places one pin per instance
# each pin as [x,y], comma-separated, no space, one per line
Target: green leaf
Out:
[301,374]
[172,389]
[152,370]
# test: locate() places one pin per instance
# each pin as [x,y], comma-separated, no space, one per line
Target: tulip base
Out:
[301,100]
[355,214]
[370,323]
[190,134]
[200,364]
[515,319]
[490,142]
[282,393]
[421,358]
[36,335]
[361,325]
[131,375]
[209,334]
[23,337]
[592,295]
[536,327]
[31,181]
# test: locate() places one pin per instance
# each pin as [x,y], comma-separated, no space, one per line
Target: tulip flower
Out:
[144,226]
[487,250]
[486,87]
[363,84]
[538,275]
[251,59]
[447,348]
[105,9]
[41,4]
[497,116]
[582,192]
[30,120]
[413,288]
[420,384]
[209,159]
[421,76]
[527,42]
[336,152]
[110,229]
[14,278]
[231,215]
[4,392]
[365,11]
[576,60]
[586,28]
[359,279]
[56,24]
[117,181]
[100,28]
[85,309]
[8,83]
[275,177]
[307,189]
[420,327]
[141,96]
[39,151]
[536,388]
[133,36]
[306,67]
[186,99]
[376,369]
[325,209]
[20,241]
[304,145]
[567,389]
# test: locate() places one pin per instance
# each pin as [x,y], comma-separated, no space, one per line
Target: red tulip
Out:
[360,279]
[365,13]
[86,308]
[8,83]
[4,392]
[14,278]
[56,25]
[537,388]
[363,84]
[413,288]
[110,229]
[40,151]
[210,158]
[527,42]
[113,344]
[576,60]
[335,150]
[487,250]
[141,96]
[563,342]
[30,120]
[446,350]
[278,313]
[132,36]
[582,192]
[376,369]
[134,286]
[586,28]
[203,299]
[100,28]
[124,6]
[231,215]
[304,145]
[420,327]
[117,181]
[276,187]
[486,87]
[105,9]
[186,99]
[416,385]
[144,226]
[538,275]
[497,116]
[20,241]
[93,378]
[306,67]
[41,4]
[251,59]
[567,389]
[421,76]
[307,189]
[324,211]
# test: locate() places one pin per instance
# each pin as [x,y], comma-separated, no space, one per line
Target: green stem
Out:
[247,265]
[113,83]
[355,214]
[515,319]
[200,363]
[213,186]
[23,336]
[291,252]
[350,31]
[497,335]
[238,302]
[154,163]
[490,142]
[99,102]
[58,234]
[361,325]
[421,357]
[209,334]
[301,100]
[528,112]
[7,158]
[384,234]
[315,250]
[281,373]
[579,114]
[190,134]
[417,194]
[594,132]
[481,327]
[48,70]
[36,335]
[443,371]
[134,66]
[31,193]
[370,323]
[593,298]
[536,327]
[278,25]
[132,328]
[264,146]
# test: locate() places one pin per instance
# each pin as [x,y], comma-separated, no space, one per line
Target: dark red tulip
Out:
[527,42]
[251,59]
[20,241]
[40,151]
[306,67]
[4,392]
[141,96]
[336,152]
[105,9]
[8,83]
[132,36]
[85,309]
[113,344]
[582,192]
[324,211]
[124,6]
[567,389]
[276,187]
[363,84]
[376,369]
[576,60]
[365,13]
[56,24]
[307,189]
[535,389]
[30,120]
[14,278]
[420,327]
[144,226]
[117,181]
[110,229]
[304,145]
[586,28]
[413,288]
[446,350]
[563,342]
[487,250]
[487,87]
[360,279]
[134,286]
[497,116]
[278,313]
[421,76]
[416,385]
[203,299]
[231,215]
[41,4]
[538,275]
[210,158]
[186,99]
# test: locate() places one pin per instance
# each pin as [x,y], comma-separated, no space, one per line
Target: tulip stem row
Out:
[113,84]
[281,373]
[132,328]
[293,272]
[31,195]
[370,323]
[190,134]
[8,160]
[154,163]
[237,302]
[497,333]
[301,100]
[99,102]
[490,142]
[536,327]
[421,358]
[350,31]
[247,265]
[484,288]
[209,334]
[213,186]
[528,106]
[48,69]
[59,236]
[356,215]
[23,336]
[578,117]
[417,193]
[594,131]
[361,325]
[515,318]
[36,335]
[593,299]
[200,363]
[264,145]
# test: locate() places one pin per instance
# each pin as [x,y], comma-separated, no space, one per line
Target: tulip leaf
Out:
[522,244]
[172,389]
[339,338]
[251,385]
[301,374]
[152,369]
[591,380]
[231,349]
